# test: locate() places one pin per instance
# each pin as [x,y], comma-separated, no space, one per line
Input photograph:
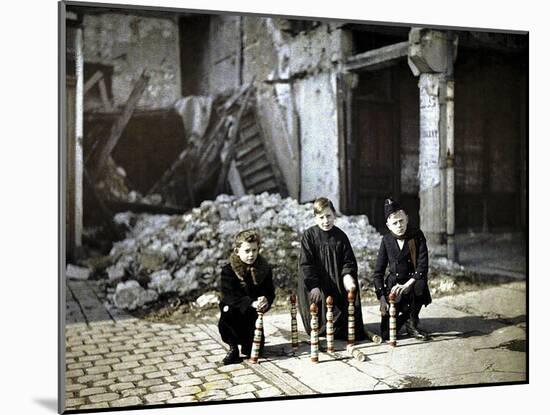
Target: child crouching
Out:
[246,289]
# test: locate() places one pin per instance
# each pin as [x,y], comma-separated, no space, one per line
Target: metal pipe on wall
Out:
[451,248]
[452,252]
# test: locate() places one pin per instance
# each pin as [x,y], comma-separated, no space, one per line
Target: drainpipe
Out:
[452,252]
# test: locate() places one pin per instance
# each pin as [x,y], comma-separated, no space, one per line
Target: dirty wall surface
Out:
[131,44]
[318,138]
[295,79]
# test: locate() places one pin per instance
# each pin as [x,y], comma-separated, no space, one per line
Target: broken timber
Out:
[379,58]
[255,162]
[249,164]
[191,151]
[233,136]
[98,163]
[138,207]
[92,81]
[202,152]
[98,78]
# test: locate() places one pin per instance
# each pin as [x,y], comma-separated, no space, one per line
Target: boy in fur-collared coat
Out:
[246,289]
[406,252]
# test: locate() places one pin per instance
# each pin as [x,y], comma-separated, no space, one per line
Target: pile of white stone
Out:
[182,254]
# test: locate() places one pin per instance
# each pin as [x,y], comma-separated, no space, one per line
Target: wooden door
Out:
[376,138]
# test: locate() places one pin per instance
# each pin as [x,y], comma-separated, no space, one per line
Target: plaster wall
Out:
[131,44]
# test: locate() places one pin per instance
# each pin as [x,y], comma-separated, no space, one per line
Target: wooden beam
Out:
[233,135]
[118,126]
[92,81]
[377,58]
[140,207]
[167,175]
[104,96]
[235,181]
[200,155]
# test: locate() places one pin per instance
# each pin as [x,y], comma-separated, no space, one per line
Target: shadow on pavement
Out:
[439,329]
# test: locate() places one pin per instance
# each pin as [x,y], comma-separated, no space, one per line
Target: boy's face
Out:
[397,222]
[247,252]
[325,219]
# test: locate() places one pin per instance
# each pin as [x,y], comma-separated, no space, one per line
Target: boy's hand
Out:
[400,289]
[263,304]
[408,285]
[315,295]
[349,283]
[383,306]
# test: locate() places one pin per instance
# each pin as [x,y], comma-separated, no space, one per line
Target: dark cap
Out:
[390,206]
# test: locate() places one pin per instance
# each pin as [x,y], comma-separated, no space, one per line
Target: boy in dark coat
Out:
[246,289]
[328,268]
[406,253]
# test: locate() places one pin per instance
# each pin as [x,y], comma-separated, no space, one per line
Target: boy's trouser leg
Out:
[227,329]
[416,300]
[236,328]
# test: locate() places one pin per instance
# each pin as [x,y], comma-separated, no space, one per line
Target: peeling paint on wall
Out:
[428,164]
[131,44]
[319,137]
[300,74]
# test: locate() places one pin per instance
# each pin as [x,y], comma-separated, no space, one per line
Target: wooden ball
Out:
[392,297]
[313,308]
[329,300]
[293,298]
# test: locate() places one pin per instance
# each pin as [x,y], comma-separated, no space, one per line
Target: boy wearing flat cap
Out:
[406,253]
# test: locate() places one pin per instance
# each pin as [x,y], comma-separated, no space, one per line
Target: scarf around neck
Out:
[258,270]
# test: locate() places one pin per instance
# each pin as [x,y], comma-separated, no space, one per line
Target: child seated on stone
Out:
[246,289]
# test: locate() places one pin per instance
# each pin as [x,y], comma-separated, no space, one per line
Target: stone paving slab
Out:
[121,361]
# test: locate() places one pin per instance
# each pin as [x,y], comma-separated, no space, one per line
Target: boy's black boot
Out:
[232,355]
[414,331]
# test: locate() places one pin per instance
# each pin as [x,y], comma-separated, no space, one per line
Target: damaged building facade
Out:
[354,112]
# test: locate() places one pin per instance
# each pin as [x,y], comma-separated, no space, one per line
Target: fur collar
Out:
[258,270]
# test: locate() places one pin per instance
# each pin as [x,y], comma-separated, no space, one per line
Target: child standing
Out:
[328,268]
[406,253]
[246,289]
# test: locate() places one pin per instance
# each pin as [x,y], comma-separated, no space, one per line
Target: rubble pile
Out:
[182,254]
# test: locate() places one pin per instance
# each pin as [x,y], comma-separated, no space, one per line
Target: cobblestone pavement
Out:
[115,360]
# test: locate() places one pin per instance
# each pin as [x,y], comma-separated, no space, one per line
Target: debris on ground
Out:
[77,273]
[166,256]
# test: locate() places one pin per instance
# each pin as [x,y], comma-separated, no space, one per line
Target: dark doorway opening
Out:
[490,140]
[384,138]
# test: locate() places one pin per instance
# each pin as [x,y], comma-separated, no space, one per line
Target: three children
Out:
[327,267]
